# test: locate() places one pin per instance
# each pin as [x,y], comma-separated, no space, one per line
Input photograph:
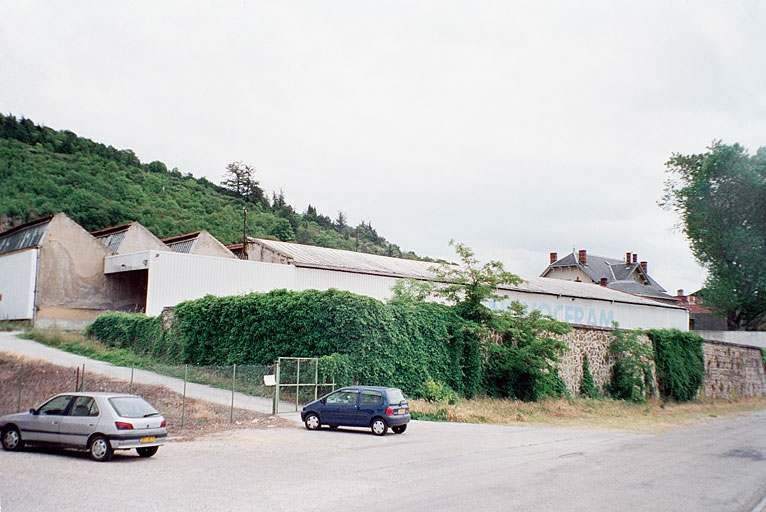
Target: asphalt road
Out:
[719,466]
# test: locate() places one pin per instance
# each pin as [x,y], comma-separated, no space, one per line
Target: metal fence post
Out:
[233,387]
[276,388]
[21,378]
[183,399]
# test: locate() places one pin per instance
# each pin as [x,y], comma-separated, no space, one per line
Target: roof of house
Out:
[24,236]
[617,273]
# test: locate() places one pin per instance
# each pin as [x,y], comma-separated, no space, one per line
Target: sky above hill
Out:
[517,128]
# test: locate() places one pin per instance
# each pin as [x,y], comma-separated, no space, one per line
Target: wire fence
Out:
[279,388]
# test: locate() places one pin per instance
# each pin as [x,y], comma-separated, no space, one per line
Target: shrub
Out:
[631,374]
[680,363]
[587,386]
[523,365]
[438,392]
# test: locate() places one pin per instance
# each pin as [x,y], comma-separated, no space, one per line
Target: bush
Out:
[631,374]
[438,392]
[680,363]
[587,386]
[522,366]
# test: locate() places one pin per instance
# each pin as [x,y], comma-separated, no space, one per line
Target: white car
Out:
[97,422]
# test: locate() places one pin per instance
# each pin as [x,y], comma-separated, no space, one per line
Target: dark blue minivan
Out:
[360,406]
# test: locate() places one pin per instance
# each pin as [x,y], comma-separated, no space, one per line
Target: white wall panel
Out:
[600,313]
[174,278]
[17,285]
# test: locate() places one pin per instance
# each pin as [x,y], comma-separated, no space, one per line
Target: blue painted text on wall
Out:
[568,314]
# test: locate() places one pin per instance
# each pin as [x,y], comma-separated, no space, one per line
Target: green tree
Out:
[240,179]
[721,199]
[470,284]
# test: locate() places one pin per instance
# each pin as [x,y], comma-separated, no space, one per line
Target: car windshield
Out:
[395,396]
[132,407]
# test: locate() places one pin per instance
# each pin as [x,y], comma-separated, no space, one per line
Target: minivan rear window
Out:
[395,396]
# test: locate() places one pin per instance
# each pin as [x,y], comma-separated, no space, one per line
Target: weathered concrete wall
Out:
[72,288]
[208,245]
[138,238]
[733,371]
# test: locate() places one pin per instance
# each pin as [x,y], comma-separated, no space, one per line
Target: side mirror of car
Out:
[33,412]
[323,400]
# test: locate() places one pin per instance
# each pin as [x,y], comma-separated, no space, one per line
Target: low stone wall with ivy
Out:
[595,342]
[733,371]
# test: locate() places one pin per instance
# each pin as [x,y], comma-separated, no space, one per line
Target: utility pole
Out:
[244,234]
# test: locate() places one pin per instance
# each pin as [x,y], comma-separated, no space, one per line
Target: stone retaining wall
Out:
[731,370]
[595,342]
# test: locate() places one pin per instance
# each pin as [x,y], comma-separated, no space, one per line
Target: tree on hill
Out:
[721,198]
[44,171]
[240,179]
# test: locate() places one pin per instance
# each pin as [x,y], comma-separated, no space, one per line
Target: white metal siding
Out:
[175,277]
[600,313]
[17,285]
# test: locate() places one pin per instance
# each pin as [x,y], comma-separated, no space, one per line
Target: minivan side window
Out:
[372,398]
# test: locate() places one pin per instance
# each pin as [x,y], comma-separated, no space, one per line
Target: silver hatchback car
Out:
[98,422]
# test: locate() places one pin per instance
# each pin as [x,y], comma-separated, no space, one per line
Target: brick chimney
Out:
[603,281]
[627,259]
[645,266]
[582,257]
[635,258]
[554,257]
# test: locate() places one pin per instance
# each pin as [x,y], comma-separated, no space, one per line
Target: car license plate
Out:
[401,411]
[148,439]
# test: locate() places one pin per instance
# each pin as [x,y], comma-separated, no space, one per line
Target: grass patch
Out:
[652,417]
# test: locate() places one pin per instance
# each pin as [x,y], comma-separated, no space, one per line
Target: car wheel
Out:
[312,422]
[147,452]
[100,449]
[379,426]
[399,429]
[12,439]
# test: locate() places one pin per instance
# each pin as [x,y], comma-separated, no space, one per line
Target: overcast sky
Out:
[518,128]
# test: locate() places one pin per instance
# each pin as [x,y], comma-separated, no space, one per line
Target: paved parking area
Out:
[720,466]
[442,466]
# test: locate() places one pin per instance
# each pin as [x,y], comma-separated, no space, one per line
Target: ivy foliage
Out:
[632,377]
[588,387]
[365,340]
[680,363]
[523,363]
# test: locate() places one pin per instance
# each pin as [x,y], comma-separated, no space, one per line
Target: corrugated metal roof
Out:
[564,288]
[24,236]
[348,261]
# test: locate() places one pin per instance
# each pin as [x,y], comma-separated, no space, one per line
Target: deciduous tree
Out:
[721,198]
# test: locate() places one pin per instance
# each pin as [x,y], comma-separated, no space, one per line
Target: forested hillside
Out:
[44,171]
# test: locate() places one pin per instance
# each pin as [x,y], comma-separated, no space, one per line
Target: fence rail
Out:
[238,386]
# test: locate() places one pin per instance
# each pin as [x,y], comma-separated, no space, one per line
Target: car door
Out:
[43,426]
[370,404]
[79,422]
[340,407]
